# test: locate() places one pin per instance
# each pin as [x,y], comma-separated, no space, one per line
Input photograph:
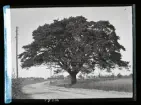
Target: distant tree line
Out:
[90,77]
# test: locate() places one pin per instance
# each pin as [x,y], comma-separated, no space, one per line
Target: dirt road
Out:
[45,91]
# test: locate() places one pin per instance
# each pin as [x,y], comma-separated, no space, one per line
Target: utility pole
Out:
[50,70]
[17,51]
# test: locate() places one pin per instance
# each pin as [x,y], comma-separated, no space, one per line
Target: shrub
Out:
[119,75]
[16,88]
[80,76]
[112,76]
[60,77]
[68,77]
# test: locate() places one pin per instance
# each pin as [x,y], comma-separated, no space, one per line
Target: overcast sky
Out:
[29,19]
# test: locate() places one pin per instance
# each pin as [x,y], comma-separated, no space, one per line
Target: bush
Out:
[119,75]
[68,77]
[112,76]
[80,76]
[60,77]
[16,88]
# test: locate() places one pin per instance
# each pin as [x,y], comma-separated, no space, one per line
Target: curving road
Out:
[45,91]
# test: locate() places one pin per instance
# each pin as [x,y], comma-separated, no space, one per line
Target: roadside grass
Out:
[17,90]
[31,81]
[17,85]
[107,84]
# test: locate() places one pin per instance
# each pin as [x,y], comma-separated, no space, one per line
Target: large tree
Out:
[74,44]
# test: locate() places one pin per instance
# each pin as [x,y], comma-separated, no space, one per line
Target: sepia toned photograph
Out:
[72,52]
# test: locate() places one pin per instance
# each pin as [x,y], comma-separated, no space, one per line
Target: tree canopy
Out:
[75,44]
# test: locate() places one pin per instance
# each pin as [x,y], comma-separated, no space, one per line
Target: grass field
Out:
[17,85]
[122,84]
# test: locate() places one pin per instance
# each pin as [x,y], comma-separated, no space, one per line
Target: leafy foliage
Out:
[74,42]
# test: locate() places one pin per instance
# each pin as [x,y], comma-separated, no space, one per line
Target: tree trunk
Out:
[73,79]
